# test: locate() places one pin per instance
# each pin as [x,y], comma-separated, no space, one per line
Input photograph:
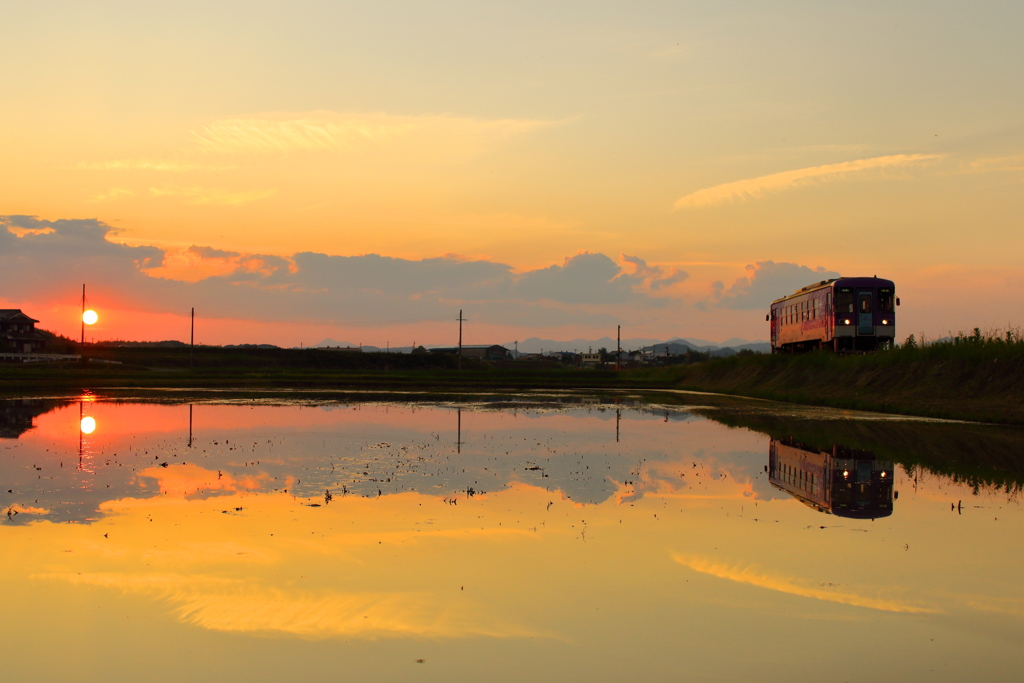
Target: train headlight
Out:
[846,322]
[883,475]
[885,322]
[846,473]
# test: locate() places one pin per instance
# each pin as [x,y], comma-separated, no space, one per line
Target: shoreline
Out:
[975,383]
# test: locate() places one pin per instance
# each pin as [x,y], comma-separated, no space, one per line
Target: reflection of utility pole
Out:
[458,437]
[618,417]
[190,425]
[461,320]
[192,346]
[81,415]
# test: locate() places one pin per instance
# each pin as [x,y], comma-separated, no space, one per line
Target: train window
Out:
[844,300]
[885,301]
[864,302]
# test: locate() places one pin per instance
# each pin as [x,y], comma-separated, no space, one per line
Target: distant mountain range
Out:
[536,345]
[676,345]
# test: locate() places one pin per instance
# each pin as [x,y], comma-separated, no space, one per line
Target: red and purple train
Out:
[842,314]
[841,480]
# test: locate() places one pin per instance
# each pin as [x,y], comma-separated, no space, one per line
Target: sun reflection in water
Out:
[88,425]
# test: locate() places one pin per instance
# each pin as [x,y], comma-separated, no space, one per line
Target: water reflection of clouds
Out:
[755,577]
[375,449]
[233,605]
[182,480]
[365,450]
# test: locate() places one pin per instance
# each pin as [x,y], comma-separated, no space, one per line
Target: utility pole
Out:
[618,344]
[517,349]
[83,314]
[461,320]
[191,353]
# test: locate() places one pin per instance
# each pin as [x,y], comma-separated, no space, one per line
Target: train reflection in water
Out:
[844,481]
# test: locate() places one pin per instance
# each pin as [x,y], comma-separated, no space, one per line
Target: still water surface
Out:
[584,540]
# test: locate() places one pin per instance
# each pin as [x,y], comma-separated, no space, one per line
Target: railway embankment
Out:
[968,377]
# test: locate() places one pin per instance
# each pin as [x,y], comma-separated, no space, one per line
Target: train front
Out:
[865,313]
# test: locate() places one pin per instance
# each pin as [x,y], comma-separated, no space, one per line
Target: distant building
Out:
[590,359]
[18,333]
[481,351]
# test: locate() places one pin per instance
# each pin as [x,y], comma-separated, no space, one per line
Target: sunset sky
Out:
[362,171]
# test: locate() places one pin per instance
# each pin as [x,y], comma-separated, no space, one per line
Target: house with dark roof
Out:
[18,333]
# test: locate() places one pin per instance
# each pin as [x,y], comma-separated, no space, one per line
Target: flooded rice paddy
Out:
[532,539]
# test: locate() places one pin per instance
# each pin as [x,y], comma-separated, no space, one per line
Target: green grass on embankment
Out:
[969,376]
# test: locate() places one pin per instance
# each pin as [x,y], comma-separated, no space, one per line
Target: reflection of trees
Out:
[17,415]
[981,457]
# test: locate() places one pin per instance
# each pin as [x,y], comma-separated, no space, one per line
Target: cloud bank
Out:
[48,260]
[757,188]
[764,282]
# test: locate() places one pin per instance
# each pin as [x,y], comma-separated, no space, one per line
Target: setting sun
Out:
[90,317]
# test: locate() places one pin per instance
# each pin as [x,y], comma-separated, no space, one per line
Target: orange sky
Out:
[731,150]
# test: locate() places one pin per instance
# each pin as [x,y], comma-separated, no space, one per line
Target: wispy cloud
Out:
[998,164]
[352,133]
[141,165]
[432,138]
[753,577]
[211,196]
[756,188]
[112,194]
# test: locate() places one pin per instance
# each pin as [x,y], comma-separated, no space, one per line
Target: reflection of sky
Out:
[363,450]
[663,556]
